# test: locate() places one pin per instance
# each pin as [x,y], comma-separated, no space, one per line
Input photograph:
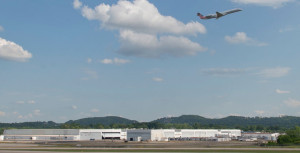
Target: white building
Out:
[120,134]
[166,134]
[1,137]
[259,135]
[64,134]
[149,135]
[231,133]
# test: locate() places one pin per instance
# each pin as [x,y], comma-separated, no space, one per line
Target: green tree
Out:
[70,126]
[284,139]
[294,133]
[1,131]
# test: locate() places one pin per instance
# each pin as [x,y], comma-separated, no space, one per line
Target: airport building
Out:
[253,136]
[119,134]
[64,134]
[184,134]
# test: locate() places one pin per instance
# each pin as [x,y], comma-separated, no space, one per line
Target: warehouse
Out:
[119,134]
[150,135]
[168,134]
[64,134]
[259,136]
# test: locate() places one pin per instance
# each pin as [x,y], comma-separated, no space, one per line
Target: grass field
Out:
[157,150]
[139,147]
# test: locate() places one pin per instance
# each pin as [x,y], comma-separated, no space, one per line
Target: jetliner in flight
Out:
[218,14]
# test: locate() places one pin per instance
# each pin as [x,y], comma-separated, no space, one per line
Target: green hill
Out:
[181,122]
[108,120]
[234,121]
[33,125]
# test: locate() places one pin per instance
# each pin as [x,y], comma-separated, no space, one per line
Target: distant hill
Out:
[33,125]
[189,119]
[233,121]
[181,122]
[108,120]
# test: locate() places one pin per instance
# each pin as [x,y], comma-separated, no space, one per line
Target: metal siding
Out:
[157,135]
[143,134]
[41,132]
[90,136]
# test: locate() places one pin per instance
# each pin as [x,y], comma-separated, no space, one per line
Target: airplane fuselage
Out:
[218,14]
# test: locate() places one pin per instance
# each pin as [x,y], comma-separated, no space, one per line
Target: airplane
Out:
[218,14]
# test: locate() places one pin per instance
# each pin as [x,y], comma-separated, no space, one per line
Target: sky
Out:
[147,59]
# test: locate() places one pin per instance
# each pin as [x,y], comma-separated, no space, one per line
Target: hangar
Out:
[120,134]
[249,136]
[64,134]
[167,134]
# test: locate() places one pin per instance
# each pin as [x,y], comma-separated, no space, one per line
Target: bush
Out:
[284,139]
[272,143]
[297,142]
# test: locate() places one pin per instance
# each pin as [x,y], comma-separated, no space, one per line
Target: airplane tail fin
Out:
[219,14]
[201,16]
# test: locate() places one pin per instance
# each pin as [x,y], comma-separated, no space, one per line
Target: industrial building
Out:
[149,135]
[253,136]
[119,134]
[168,134]
[64,134]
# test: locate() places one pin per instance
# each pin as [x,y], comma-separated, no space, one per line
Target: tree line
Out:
[292,136]
[156,125]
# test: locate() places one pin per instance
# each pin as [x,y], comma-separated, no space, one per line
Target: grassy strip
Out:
[157,150]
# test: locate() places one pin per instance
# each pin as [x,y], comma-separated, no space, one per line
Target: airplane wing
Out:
[210,16]
[231,11]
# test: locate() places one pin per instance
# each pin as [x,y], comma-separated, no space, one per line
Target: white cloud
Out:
[31,102]
[292,102]
[115,61]
[282,91]
[270,3]
[28,102]
[77,4]
[74,107]
[275,72]
[150,46]
[15,112]
[140,24]
[95,110]
[25,116]
[20,102]
[223,71]
[157,79]
[139,16]
[90,74]
[286,29]
[1,28]
[107,61]
[259,112]
[121,61]
[2,114]
[89,60]
[12,51]
[242,38]
[37,112]
[34,113]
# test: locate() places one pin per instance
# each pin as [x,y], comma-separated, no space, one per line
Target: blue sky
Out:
[146,59]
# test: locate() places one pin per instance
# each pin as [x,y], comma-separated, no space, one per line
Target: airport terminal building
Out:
[118,134]
[64,134]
